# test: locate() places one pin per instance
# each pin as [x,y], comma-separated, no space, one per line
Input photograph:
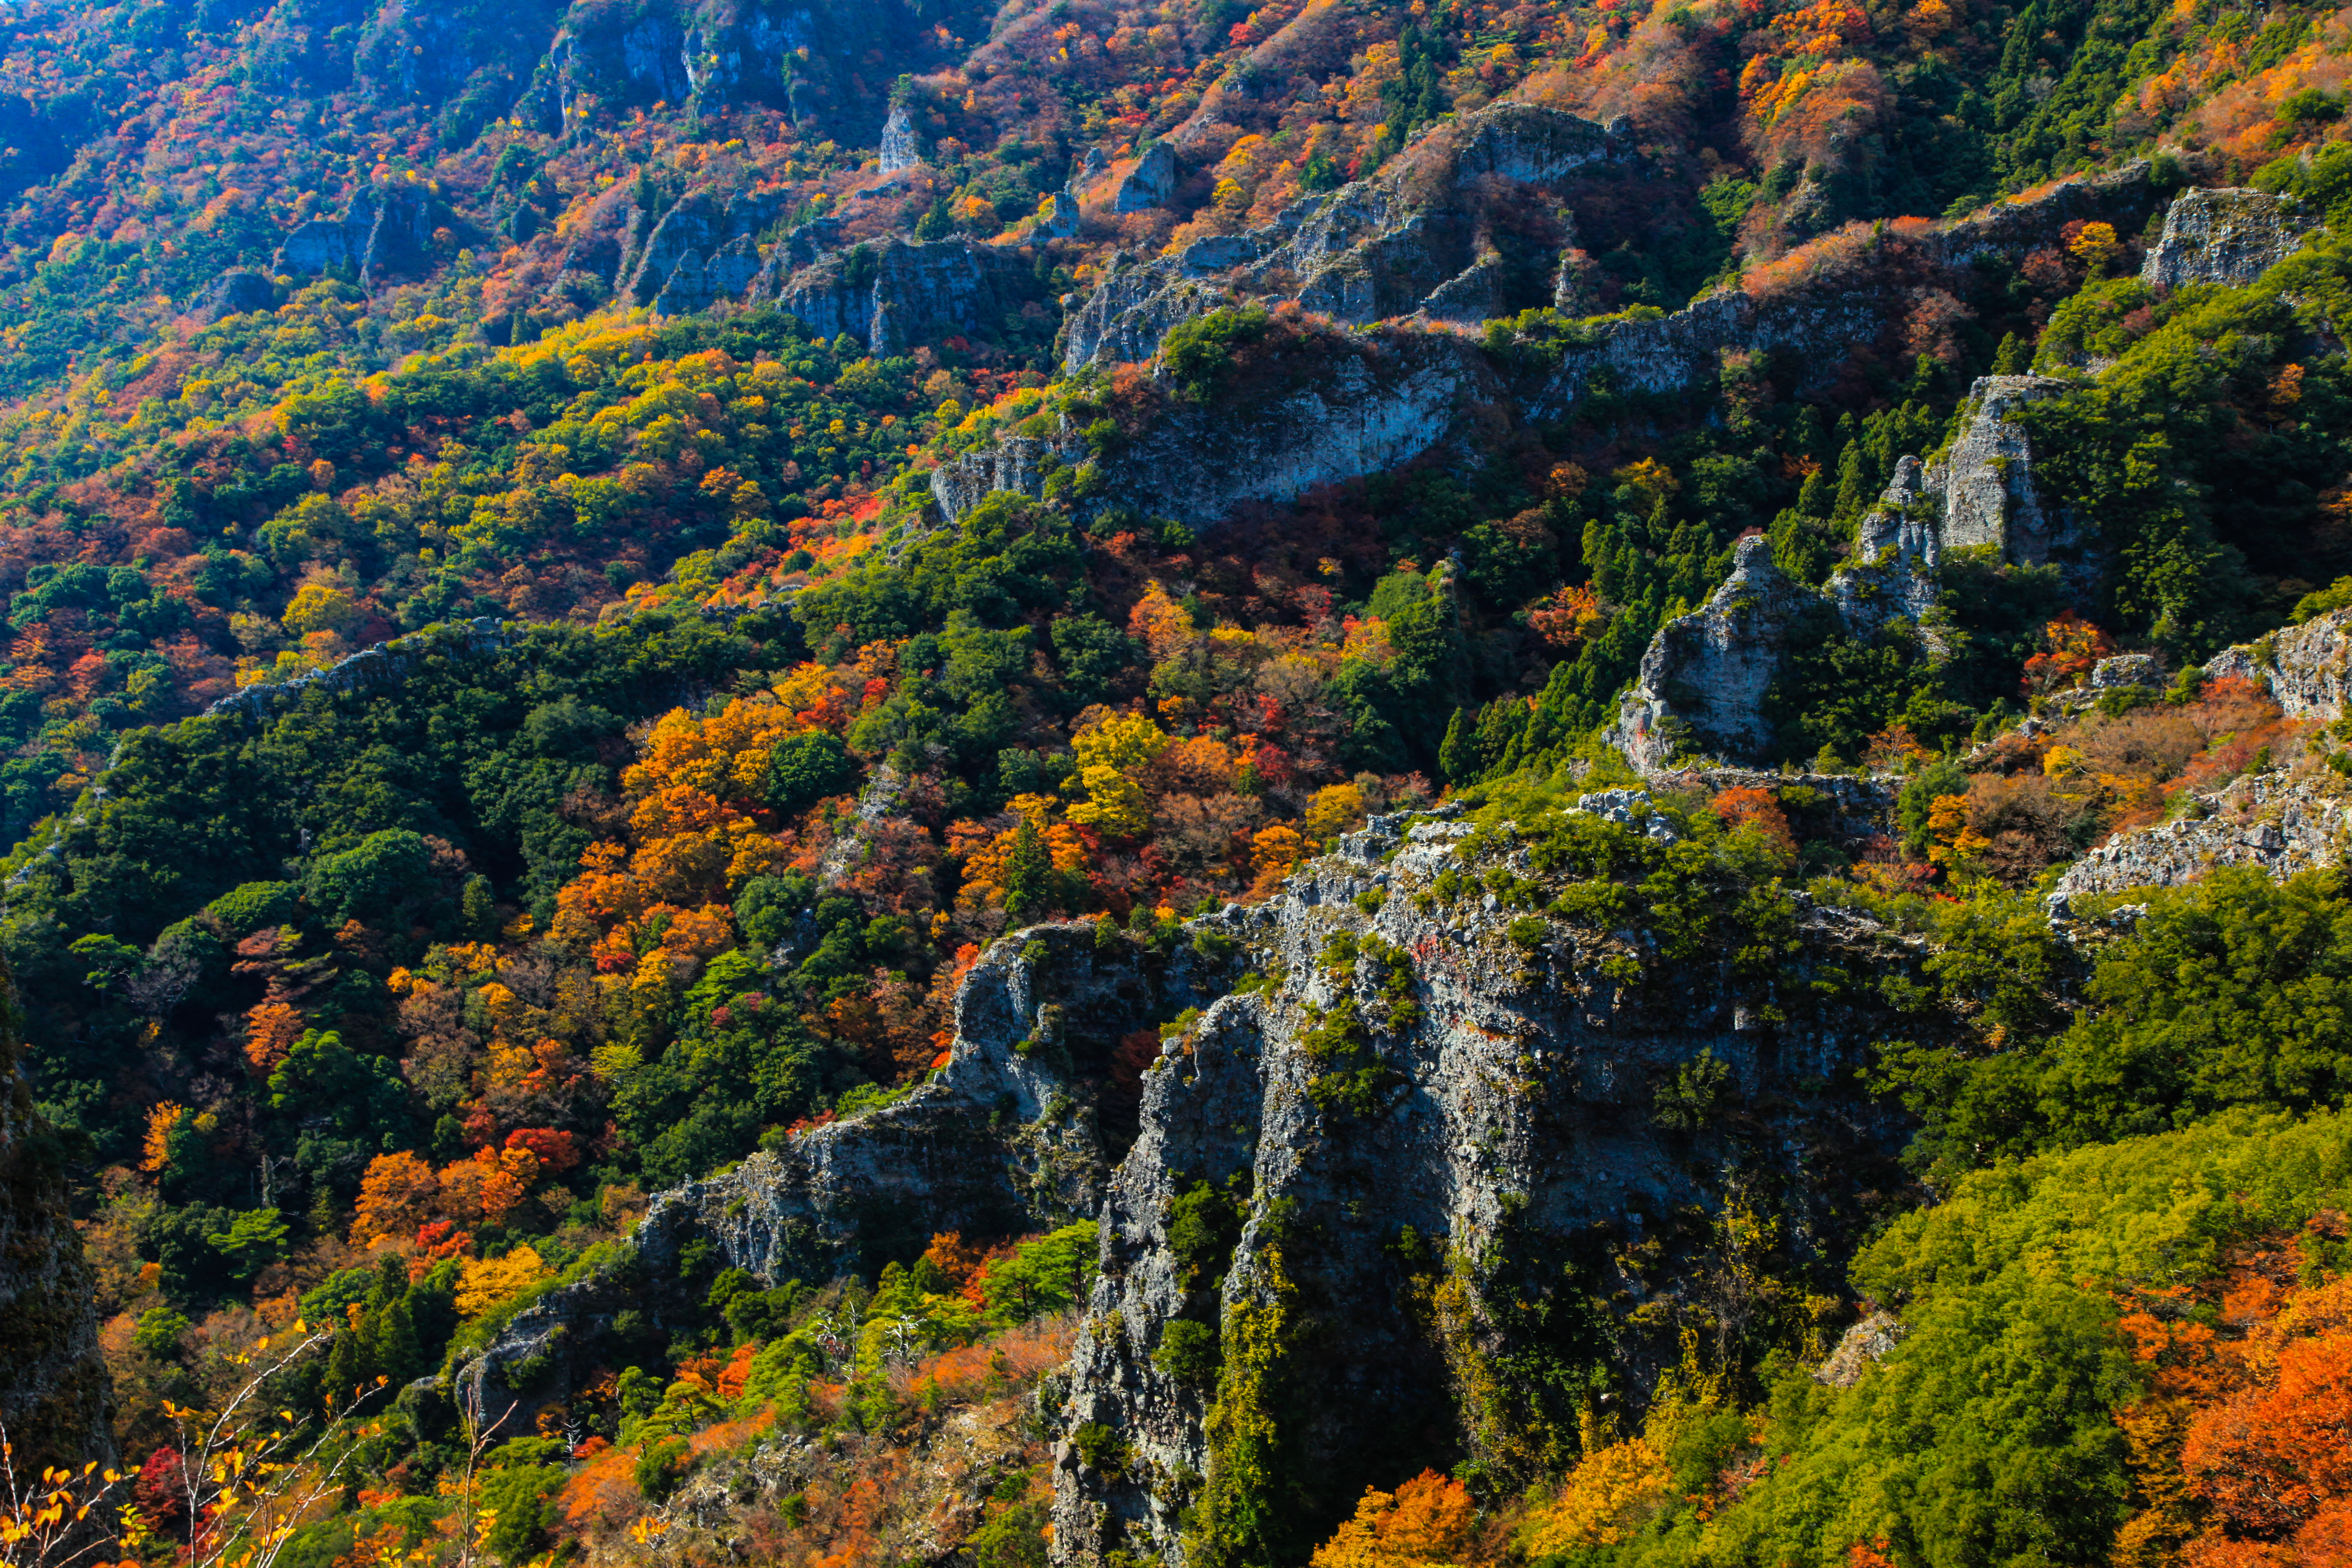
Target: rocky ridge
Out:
[1704,681]
[1415,240]
[1418,1050]
[1016,1132]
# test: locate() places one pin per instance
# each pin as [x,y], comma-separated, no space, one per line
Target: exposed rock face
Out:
[1703,676]
[55,1399]
[2231,236]
[1517,1128]
[697,284]
[1017,463]
[1703,680]
[2307,669]
[1151,184]
[1897,547]
[2267,820]
[900,148]
[1376,406]
[386,231]
[234,293]
[885,295]
[1359,406]
[1862,1347]
[384,663]
[1016,1133]
[1986,479]
[876,802]
[699,228]
[1409,240]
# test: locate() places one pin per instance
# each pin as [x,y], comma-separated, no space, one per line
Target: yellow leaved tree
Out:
[1109,754]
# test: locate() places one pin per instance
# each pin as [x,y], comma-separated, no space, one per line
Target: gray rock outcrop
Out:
[1703,680]
[386,231]
[2282,822]
[2228,237]
[1060,217]
[2279,824]
[236,292]
[1355,405]
[888,293]
[384,664]
[1859,1348]
[1018,464]
[1985,478]
[2307,669]
[1822,321]
[901,149]
[1151,184]
[1406,241]
[700,230]
[1526,1121]
[1016,1133]
[1898,544]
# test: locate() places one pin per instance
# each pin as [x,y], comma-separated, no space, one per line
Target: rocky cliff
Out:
[1854,301]
[1431,1165]
[2229,236]
[1984,482]
[1426,237]
[1327,409]
[57,1403]
[1705,680]
[1464,1130]
[888,294]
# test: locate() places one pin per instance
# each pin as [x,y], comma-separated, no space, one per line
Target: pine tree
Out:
[1854,488]
[1028,872]
[1454,757]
